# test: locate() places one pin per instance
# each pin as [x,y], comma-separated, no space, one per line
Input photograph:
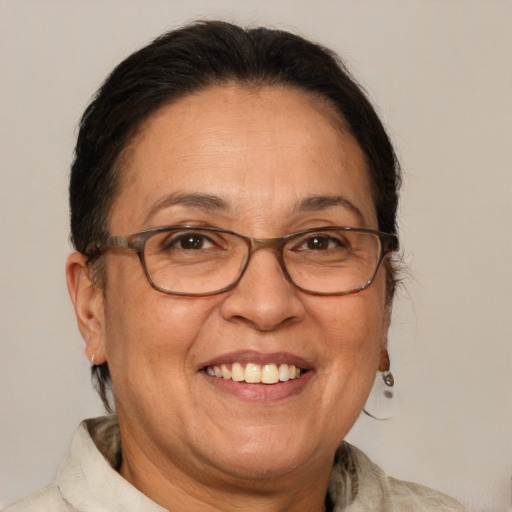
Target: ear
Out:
[87,300]
[384,356]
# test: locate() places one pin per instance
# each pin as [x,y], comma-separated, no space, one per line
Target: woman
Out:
[233,206]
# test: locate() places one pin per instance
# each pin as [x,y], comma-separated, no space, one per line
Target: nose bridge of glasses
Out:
[266,243]
[274,244]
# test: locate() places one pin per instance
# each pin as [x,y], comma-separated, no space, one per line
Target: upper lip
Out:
[258,358]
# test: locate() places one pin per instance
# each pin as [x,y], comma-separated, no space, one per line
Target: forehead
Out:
[260,150]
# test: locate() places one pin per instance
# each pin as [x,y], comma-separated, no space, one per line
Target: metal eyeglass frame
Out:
[137,241]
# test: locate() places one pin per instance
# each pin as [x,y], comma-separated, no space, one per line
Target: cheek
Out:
[353,321]
[151,341]
[354,333]
[153,324]
[143,327]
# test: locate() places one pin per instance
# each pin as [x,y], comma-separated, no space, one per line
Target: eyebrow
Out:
[320,203]
[199,201]
[212,202]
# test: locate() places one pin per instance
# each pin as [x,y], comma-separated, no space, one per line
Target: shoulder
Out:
[371,489]
[70,479]
[412,496]
[47,499]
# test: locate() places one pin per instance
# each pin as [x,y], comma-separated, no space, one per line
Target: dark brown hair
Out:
[193,58]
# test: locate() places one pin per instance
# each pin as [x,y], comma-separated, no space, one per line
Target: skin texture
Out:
[188,442]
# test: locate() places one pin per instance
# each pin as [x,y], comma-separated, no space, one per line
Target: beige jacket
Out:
[88,482]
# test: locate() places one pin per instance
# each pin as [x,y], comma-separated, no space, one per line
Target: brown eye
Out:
[188,242]
[319,243]
[332,242]
[191,241]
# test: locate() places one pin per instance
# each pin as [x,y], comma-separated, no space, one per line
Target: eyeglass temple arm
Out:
[122,242]
[390,243]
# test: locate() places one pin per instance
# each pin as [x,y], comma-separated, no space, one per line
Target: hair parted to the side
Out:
[193,58]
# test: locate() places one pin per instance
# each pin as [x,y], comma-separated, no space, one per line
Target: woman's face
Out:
[263,163]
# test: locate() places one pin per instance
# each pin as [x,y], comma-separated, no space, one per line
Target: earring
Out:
[382,399]
[388,378]
[92,360]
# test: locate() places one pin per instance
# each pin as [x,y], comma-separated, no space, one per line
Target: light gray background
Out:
[441,74]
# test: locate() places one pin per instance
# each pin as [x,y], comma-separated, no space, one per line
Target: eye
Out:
[189,241]
[321,242]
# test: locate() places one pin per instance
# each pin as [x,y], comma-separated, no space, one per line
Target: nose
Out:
[264,298]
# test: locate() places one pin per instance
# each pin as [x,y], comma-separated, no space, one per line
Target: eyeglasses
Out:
[199,261]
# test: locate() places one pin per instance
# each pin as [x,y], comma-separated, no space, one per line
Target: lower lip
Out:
[260,392]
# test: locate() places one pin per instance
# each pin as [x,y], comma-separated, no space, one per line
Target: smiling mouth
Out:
[253,373]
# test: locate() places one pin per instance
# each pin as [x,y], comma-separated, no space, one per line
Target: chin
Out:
[264,455]
[261,467]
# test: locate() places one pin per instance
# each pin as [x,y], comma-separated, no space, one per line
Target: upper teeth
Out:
[255,373]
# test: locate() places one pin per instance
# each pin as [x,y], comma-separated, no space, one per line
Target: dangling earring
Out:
[388,378]
[382,399]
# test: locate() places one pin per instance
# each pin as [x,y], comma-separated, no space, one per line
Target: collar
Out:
[87,477]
